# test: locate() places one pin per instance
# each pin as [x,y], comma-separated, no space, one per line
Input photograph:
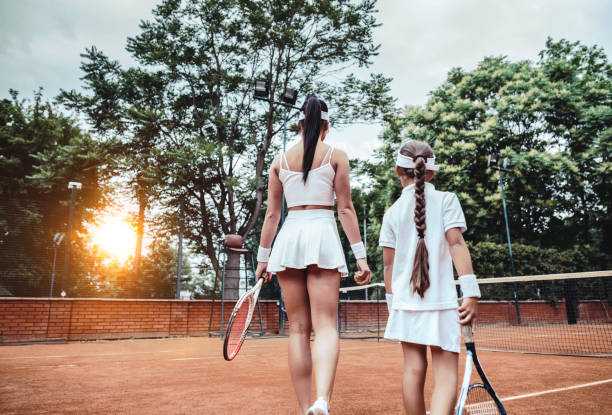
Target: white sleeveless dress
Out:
[308,237]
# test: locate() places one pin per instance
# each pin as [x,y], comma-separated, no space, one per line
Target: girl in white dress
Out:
[307,256]
[421,236]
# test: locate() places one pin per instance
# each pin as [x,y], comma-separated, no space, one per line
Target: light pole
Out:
[365,240]
[493,163]
[57,240]
[289,98]
[73,186]
[179,270]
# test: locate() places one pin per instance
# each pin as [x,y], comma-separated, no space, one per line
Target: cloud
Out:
[421,41]
[43,39]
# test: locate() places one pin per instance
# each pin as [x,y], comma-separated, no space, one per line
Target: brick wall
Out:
[30,319]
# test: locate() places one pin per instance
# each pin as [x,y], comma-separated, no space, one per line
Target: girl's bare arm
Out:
[388,258]
[459,251]
[463,263]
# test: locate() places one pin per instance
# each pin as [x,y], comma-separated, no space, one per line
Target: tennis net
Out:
[564,314]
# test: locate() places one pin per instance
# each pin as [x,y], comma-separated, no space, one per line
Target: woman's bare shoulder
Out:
[339,157]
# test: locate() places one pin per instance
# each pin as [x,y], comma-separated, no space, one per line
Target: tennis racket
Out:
[476,398]
[239,321]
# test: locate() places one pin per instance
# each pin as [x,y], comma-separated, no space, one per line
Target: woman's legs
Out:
[323,291]
[415,368]
[445,381]
[295,294]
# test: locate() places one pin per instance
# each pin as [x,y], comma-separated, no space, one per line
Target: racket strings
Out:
[480,402]
[239,326]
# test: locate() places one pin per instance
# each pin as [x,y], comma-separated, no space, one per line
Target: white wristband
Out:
[359,250]
[389,298]
[263,254]
[469,286]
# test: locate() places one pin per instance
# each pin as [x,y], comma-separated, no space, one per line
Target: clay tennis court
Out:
[189,376]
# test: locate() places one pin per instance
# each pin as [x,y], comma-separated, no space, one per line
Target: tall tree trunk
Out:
[142,206]
[232,275]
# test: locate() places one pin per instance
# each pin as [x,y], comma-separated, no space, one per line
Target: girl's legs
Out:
[415,368]
[445,381]
[295,294]
[323,291]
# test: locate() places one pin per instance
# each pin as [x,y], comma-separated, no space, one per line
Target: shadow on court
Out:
[189,376]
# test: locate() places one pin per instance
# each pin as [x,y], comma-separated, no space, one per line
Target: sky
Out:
[41,40]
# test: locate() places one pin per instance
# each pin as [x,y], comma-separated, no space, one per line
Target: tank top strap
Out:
[284,158]
[328,154]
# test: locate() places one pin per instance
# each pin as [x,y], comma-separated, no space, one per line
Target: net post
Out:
[569,292]
[339,318]
[516,297]
[516,303]
[378,313]
[222,296]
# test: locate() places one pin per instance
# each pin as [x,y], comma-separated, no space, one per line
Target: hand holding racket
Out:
[240,320]
[476,398]
[468,310]
[261,272]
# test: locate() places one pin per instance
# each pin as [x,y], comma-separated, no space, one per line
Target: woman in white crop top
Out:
[421,236]
[307,256]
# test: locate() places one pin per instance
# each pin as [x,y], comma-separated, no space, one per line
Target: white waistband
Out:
[310,214]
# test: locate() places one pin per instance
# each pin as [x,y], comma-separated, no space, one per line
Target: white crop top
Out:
[318,189]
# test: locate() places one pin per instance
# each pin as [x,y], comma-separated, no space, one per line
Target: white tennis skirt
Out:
[432,328]
[308,237]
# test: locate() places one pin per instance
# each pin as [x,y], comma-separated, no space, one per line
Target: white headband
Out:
[408,162]
[324,115]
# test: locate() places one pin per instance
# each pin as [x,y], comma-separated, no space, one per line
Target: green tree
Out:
[129,110]
[41,150]
[215,141]
[551,118]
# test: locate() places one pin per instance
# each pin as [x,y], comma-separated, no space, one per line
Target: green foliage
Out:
[186,111]
[551,118]
[491,259]
[159,271]
[41,150]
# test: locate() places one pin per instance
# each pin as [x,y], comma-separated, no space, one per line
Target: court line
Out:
[36,367]
[531,395]
[32,357]
[81,355]
[209,357]
[584,385]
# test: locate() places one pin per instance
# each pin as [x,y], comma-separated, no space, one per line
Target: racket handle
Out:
[466,330]
[468,336]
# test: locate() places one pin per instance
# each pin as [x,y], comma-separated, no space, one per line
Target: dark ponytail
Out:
[311,130]
[419,151]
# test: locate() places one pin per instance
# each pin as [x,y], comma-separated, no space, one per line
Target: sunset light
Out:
[115,236]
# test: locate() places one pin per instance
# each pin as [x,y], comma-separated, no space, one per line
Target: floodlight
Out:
[290,96]
[262,89]
[493,159]
[57,239]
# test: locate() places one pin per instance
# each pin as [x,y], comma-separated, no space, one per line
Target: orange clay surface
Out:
[189,376]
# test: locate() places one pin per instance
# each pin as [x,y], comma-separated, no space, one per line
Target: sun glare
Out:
[115,236]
